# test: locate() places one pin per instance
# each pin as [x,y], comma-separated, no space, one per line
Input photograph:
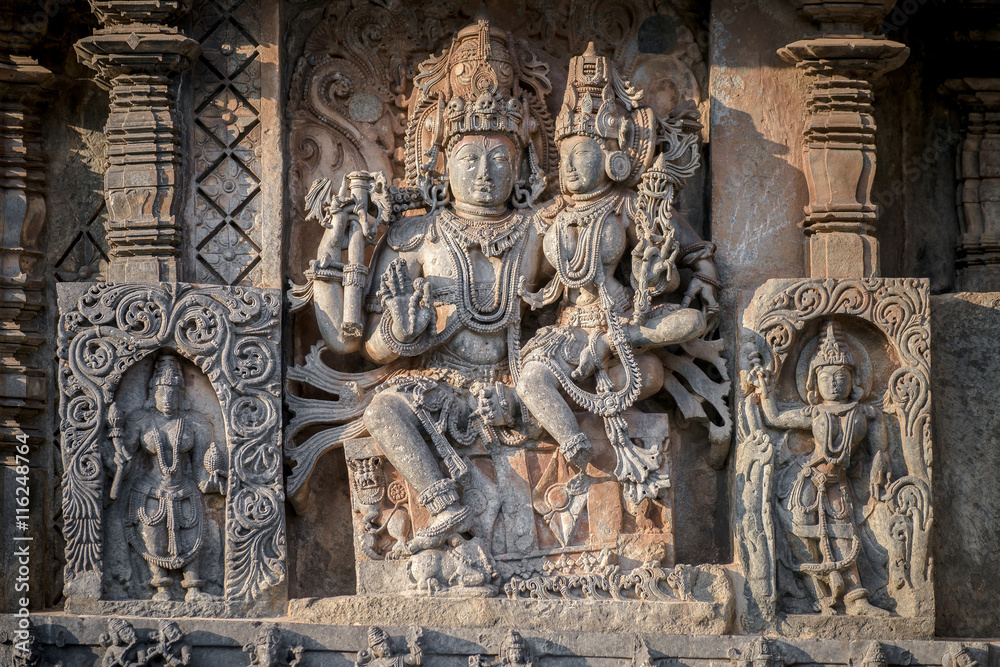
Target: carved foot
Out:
[454,519]
[162,595]
[577,450]
[857,604]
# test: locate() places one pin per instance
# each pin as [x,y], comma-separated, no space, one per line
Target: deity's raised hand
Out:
[410,304]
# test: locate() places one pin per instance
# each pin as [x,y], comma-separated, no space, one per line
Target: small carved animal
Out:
[464,565]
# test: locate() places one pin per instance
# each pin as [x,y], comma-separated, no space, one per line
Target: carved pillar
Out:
[842,62]
[22,218]
[977,198]
[138,56]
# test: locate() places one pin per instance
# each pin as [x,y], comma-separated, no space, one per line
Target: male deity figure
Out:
[380,654]
[123,647]
[166,514]
[606,141]
[448,283]
[822,500]
[268,649]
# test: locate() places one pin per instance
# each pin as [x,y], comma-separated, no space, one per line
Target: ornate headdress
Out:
[831,352]
[167,372]
[600,103]
[485,82]
[376,636]
[115,628]
[514,641]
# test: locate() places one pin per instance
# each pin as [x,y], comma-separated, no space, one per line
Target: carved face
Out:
[481,170]
[834,382]
[267,651]
[368,477]
[516,656]
[581,164]
[380,649]
[171,633]
[126,635]
[167,398]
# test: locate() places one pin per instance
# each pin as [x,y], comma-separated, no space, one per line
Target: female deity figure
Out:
[446,293]
[166,515]
[606,141]
[822,502]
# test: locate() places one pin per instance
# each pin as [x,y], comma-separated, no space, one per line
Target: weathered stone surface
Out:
[966,360]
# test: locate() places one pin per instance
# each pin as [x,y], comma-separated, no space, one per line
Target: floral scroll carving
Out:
[808,320]
[230,334]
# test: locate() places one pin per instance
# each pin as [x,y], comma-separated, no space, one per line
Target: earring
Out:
[617,165]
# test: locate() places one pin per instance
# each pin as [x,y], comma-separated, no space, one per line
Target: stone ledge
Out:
[614,616]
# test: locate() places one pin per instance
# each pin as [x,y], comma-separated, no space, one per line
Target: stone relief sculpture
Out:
[166,515]
[606,141]
[123,646]
[824,511]
[170,650]
[514,652]
[269,649]
[456,410]
[230,335]
[381,654]
[832,472]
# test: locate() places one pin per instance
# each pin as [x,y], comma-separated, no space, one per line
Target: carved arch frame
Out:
[231,334]
[774,321]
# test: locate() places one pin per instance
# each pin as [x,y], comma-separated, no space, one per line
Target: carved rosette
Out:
[774,328]
[231,334]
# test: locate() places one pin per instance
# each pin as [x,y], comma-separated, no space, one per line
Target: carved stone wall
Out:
[208,484]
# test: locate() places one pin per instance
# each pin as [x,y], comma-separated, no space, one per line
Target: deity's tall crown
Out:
[832,352]
[484,82]
[601,104]
[167,372]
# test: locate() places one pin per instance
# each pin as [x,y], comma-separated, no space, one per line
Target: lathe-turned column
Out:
[138,57]
[843,62]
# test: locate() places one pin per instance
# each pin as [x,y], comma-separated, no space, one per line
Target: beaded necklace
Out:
[509,245]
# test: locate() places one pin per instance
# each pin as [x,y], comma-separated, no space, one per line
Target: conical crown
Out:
[167,372]
[832,352]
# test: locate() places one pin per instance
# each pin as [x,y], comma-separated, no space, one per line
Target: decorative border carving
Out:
[899,309]
[230,333]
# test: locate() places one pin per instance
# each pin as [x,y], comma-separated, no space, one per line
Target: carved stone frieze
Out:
[230,334]
[509,359]
[833,463]
[137,56]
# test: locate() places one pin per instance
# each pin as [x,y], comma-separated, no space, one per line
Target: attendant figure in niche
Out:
[822,502]
[166,513]
[606,141]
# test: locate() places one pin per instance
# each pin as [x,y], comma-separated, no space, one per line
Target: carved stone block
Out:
[145,475]
[832,478]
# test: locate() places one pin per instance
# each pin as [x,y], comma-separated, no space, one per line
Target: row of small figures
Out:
[764,652]
[168,647]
